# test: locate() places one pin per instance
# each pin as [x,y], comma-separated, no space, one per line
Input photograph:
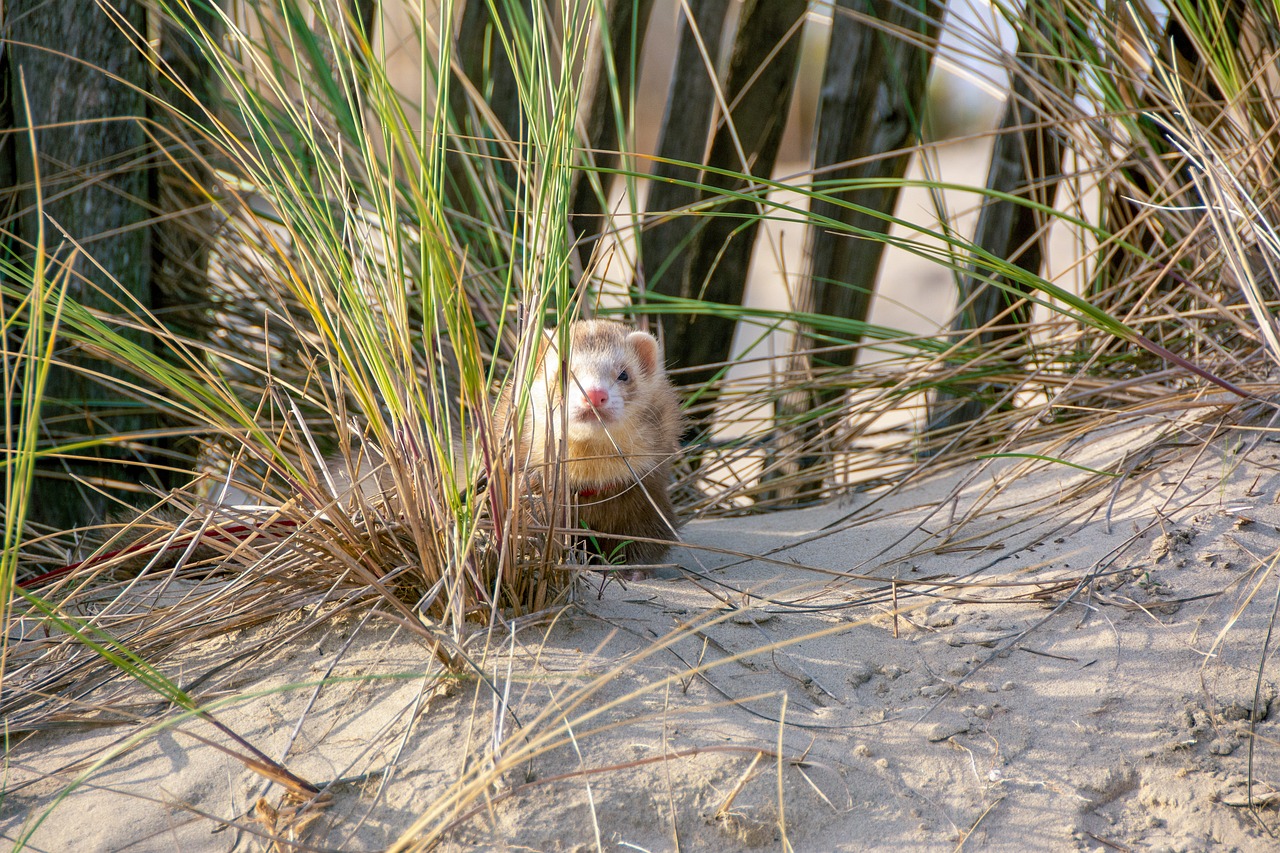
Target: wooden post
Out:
[482,60]
[88,138]
[870,115]
[601,120]
[1025,163]
[715,266]
[686,127]
[1157,167]
[871,111]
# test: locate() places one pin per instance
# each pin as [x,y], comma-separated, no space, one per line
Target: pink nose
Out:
[598,397]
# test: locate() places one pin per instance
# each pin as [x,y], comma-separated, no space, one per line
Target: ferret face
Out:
[609,369]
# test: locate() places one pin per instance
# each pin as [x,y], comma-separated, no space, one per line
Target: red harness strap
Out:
[604,491]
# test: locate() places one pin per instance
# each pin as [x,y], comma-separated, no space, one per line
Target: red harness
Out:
[607,490]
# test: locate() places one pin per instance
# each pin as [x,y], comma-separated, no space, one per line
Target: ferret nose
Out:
[598,397]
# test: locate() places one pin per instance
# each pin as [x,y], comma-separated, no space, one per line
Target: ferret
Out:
[599,432]
[602,430]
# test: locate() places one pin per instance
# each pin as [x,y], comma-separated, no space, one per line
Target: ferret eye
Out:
[624,376]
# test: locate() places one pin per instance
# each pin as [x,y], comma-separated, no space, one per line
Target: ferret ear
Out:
[646,349]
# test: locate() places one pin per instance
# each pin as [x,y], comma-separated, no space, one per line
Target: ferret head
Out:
[609,368]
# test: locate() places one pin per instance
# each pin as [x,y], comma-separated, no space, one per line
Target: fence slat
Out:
[1026,162]
[102,202]
[626,22]
[873,93]
[719,254]
[683,137]
[481,59]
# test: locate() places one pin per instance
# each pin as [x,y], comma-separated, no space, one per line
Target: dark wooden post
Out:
[686,127]
[870,115]
[365,12]
[602,120]
[89,141]
[482,61]
[1158,175]
[759,87]
[871,111]
[1025,163]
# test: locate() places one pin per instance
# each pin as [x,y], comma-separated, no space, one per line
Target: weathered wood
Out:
[483,63]
[1026,162]
[8,144]
[870,115]
[686,127]
[1158,165]
[759,96]
[357,19]
[88,138]
[871,110]
[601,118]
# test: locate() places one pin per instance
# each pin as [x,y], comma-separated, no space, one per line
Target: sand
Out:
[1073,663]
